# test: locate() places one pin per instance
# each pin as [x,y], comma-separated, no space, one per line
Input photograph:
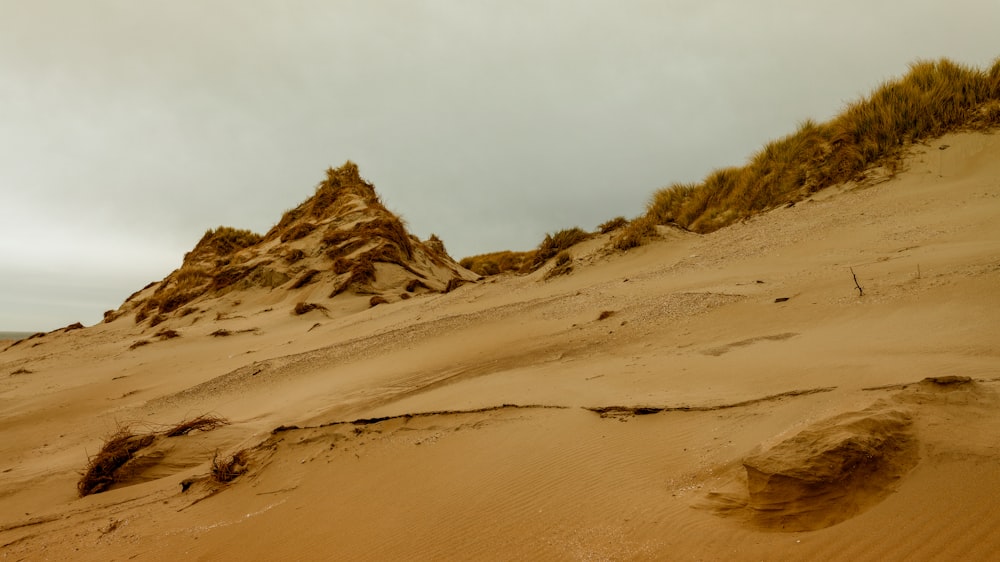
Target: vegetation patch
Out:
[227,469]
[612,225]
[168,334]
[377,300]
[304,307]
[555,243]
[933,98]
[203,422]
[107,467]
[563,266]
[305,279]
[498,262]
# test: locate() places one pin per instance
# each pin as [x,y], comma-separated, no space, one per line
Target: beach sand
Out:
[721,397]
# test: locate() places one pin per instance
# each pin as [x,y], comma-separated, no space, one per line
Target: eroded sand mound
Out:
[830,471]
[341,240]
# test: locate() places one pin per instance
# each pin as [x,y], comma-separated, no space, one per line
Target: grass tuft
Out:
[227,469]
[304,307]
[203,422]
[106,467]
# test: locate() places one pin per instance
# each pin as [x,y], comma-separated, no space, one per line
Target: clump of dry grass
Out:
[295,255]
[22,371]
[414,284]
[305,279]
[605,314]
[106,467]
[553,244]
[304,307]
[454,283]
[297,232]
[612,225]
[168,334]
[377,300]
[205,422]
[362,273]
[495,263]
[227,469]
[221,333]
[563,265]
[933,98]
[635,234]
[223,241]
[139,343]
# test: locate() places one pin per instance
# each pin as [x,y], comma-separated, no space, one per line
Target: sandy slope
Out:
[501,438]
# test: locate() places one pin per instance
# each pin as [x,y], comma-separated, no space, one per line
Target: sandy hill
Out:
[340,241]
[718,396]
[815,381]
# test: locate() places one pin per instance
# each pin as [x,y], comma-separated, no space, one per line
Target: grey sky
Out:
[129,127]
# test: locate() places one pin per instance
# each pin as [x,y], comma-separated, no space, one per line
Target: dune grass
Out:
[204,422]
[227,469]
[105,468]
[494,263]
[933,98]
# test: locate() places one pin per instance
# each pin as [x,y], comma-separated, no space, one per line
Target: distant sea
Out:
[14,335]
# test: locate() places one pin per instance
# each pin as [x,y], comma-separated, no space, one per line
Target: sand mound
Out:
[831,471]
[341,240]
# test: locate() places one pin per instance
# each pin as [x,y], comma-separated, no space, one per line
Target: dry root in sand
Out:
[105,468]
[304,307]
[200,423]
[227,469]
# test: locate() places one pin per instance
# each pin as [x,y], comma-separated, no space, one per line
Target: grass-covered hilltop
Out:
[933,98]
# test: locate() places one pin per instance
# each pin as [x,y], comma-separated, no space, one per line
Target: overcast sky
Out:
[127,128]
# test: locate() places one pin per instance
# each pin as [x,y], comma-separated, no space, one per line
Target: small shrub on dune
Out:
[106,467]
[414,284]
[168,334]
[498,262]
[377,300]
[138,344]
[454,283]
[362,272]
[612,225]
[200,423]
[295,255]
[305,307]
[555,243]
[635,234]
[221,333]
[297,232]
[227,469]
[563,265]
[305,279]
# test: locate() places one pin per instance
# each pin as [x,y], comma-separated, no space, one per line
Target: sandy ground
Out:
[699,420]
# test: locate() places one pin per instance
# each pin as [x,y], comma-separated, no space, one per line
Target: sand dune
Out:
[720,396]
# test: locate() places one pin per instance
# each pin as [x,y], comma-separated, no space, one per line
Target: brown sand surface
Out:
[507,420]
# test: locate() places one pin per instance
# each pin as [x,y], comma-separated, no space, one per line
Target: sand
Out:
[700,419]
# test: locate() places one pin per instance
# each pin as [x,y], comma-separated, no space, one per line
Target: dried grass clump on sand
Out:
[304,307]
[228,468]
[105,468]
[934,98]
[377,300]
[553,244]
[204,422]
[563,266]
[498,262]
